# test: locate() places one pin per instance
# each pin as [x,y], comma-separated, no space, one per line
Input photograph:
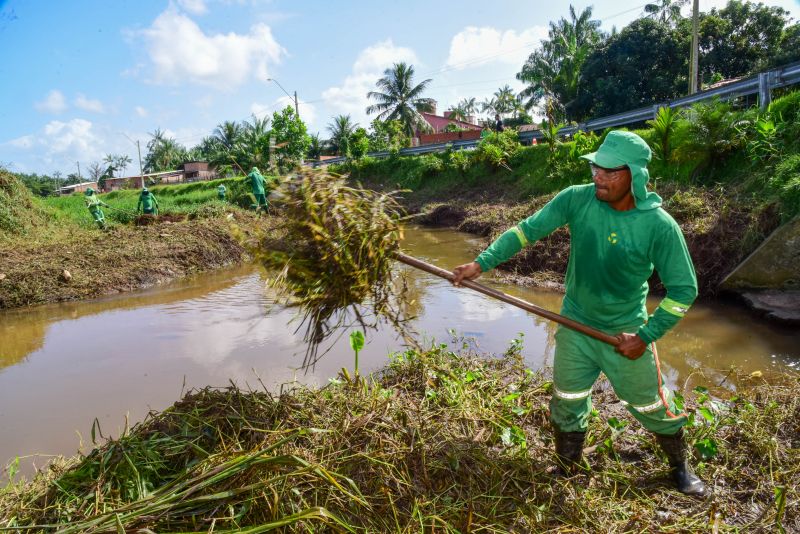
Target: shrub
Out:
[785,183]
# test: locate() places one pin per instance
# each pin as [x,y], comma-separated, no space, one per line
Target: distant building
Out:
[194,171]
[191,171]
[77,188]
[438,123]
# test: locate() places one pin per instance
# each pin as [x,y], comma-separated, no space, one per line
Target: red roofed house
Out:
[438,123]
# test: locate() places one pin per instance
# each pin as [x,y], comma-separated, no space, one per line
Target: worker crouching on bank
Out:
[618,234]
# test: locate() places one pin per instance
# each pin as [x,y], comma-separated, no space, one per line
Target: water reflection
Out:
[62,366]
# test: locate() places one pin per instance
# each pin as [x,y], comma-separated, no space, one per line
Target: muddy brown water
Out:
[114,359]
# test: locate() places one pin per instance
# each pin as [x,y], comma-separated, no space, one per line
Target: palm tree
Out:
[163,153]
[457,112]
[553,70]
[341,129]
[489,105]
[469,105]
[228,133]
[399,99]
[253,148]
[666,11]
[315,148]
[505,100]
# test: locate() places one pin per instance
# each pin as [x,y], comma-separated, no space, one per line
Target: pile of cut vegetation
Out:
[19,211]
[438,441]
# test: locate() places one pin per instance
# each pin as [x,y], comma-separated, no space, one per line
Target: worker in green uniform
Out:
[618,234]
[221,192]
[258,183]
[94,204]
[147,203]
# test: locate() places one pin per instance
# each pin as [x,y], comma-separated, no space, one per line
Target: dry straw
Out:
[331,253]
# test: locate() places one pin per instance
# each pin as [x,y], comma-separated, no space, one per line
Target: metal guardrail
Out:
[761,84]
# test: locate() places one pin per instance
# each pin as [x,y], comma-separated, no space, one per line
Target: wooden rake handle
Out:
[514,301]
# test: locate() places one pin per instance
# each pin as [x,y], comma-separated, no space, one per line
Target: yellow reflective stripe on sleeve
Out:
[674,307]
[520,235]
[571,396]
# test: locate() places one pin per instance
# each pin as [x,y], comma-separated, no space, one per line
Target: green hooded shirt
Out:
[257,181]
[612,255]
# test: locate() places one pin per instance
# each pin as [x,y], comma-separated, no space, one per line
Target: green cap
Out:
[626,148]
[89,191]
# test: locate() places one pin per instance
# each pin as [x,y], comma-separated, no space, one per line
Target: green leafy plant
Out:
[663,128]
[356,343]
[498,147]
[617,427]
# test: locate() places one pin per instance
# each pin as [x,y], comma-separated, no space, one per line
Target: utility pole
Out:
[79,171]
[695,48]
[296,107]
[141,173]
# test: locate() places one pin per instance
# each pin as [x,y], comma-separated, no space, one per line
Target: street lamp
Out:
[296,109]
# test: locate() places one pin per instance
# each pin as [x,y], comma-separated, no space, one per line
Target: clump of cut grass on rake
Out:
[332,255]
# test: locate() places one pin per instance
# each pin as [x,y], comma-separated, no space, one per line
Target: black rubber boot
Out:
[569,449]
[676,450]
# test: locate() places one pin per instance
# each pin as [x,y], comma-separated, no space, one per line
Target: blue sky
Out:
[81,78]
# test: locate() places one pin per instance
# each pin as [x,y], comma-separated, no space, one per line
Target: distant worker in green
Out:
[93,202]
[147,203]
[221,191]
[258,183]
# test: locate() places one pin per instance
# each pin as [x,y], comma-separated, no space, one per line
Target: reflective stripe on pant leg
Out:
[639,385]
[574,374]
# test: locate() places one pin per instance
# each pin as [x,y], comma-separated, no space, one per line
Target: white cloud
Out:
[351,96]
[181,52]
[60,144]
[54,102]
[88,104]
[140,111]
[24,142]
[307,111]
[195,7]
[475,46]
[73,137]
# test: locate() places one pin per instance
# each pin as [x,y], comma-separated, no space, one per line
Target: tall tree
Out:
[644,64]
[457,112]
[291,138]
[163,153]
[553,71]
[314,147]
[341,129]
[228,134]
[505,100]
[666,11]
[740,39]
[469,105]
[116,163]
[96,170]
[399,99]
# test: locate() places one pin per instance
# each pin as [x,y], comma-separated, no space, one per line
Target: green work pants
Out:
[261,200]
[638,383]
[99,217]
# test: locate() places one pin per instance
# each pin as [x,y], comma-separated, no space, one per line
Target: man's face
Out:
[611,185]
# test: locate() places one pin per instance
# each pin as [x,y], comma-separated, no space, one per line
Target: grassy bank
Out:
[44,238]
[437,442]
[729,177]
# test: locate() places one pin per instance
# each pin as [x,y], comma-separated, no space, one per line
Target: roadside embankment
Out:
[436,441]
[52,252]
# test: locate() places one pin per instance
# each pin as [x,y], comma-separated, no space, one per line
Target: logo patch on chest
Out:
[612,238]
